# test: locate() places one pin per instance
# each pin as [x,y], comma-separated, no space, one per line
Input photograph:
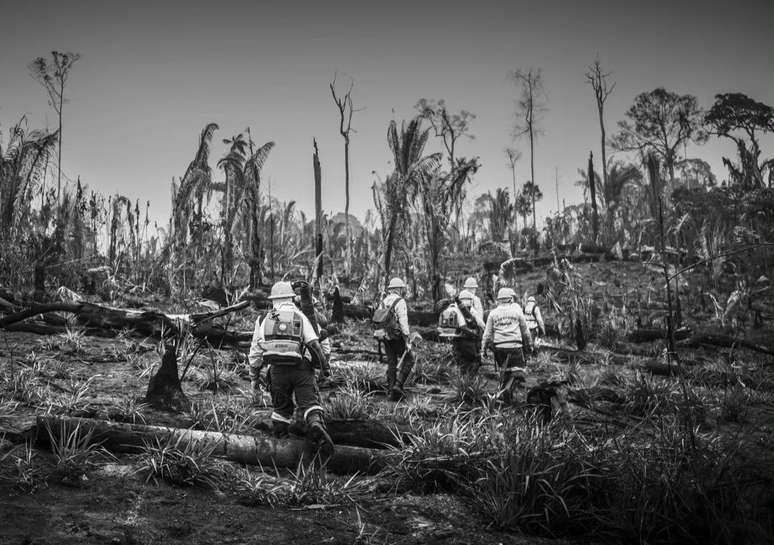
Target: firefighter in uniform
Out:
[397,343]
[464,326]
[471,284]
[285,342]
[537,327]
[506,330]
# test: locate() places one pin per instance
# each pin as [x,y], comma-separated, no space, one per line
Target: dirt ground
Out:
[112,503]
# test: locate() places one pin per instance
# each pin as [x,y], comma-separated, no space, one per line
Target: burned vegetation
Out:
[610,379]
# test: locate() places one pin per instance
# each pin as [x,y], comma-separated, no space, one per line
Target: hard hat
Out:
[470,283]
[396,283]
[531,298]
[465,294]
[282,290]
[504,294]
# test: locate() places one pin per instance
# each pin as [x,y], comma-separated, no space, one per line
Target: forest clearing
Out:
[449,367]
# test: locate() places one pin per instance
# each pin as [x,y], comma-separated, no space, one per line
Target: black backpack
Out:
[385,322]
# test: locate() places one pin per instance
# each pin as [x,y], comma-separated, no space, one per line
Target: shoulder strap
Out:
[395,303]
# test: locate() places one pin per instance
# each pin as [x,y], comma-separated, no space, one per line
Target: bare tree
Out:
[529,107]
[513,156]
[597,78]
[52,75]
[344,105]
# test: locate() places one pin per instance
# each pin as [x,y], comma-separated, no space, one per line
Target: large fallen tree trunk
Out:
[416,318]
[260,449]
[656,334]
[725,341]
[101,320]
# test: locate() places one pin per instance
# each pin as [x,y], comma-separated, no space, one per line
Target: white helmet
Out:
[396,283]
[505,294]
[470,283]
[465,295]
[282,290]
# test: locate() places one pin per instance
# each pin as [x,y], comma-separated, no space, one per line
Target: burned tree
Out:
[602,90]
[344,105]
[52,75]
[529,107]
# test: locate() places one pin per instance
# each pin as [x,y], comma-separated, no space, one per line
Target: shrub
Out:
[348,403]
[179,461]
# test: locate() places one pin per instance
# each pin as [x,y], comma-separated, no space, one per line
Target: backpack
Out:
[449,322]
[385,322]
[283,338]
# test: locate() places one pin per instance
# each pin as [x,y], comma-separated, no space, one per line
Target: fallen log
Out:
[367,433]
[656,334]
[725,341]
[259,449]
[107,321]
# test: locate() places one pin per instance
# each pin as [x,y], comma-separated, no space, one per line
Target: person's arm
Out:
[479,319]
[539,320]
[255,356]
[312,342]
[401,311]
[488,329]
[526,338]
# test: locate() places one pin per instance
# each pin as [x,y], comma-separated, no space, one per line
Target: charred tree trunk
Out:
[593,192]
[164,389]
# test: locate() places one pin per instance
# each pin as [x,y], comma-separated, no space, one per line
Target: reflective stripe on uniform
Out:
[512,369]
[311,410]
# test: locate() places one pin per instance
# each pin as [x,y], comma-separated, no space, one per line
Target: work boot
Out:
[280,430]
[318,433]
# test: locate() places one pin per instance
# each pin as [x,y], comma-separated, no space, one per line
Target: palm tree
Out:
[240,196]
[195,183]
[407,146]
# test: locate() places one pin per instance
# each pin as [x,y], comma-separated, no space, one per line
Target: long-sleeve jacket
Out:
[401,311]
[478,305]
[308,336]
[506,327]
[533,316]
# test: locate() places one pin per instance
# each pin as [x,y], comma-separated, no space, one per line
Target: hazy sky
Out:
[152,74]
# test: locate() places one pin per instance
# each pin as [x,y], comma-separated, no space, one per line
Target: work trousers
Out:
[510,364]
[394,350]
[467,355]
[287,380]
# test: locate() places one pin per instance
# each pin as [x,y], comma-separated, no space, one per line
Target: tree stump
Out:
[164,389]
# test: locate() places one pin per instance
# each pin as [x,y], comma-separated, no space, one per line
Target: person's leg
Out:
[403,369]
[513,373]
[281,399]
[308,398]
[392,354]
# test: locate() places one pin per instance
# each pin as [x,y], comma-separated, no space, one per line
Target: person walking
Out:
[537,327]
[507,333]
[471,327]
[286,343]
[391,328]
[471,284]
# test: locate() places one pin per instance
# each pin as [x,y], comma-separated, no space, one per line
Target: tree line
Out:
[226,229]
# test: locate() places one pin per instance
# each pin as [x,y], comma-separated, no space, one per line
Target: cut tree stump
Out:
[259,449]
[164,389]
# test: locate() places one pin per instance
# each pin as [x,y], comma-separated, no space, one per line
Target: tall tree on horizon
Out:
[661,121]
[344,105]
[52,74]
[597,78]
[529,107]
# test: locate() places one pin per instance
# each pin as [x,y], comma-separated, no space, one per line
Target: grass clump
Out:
[75,453]
[348,403]
[180,461]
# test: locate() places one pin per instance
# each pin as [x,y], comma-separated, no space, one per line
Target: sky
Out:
[153,74]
